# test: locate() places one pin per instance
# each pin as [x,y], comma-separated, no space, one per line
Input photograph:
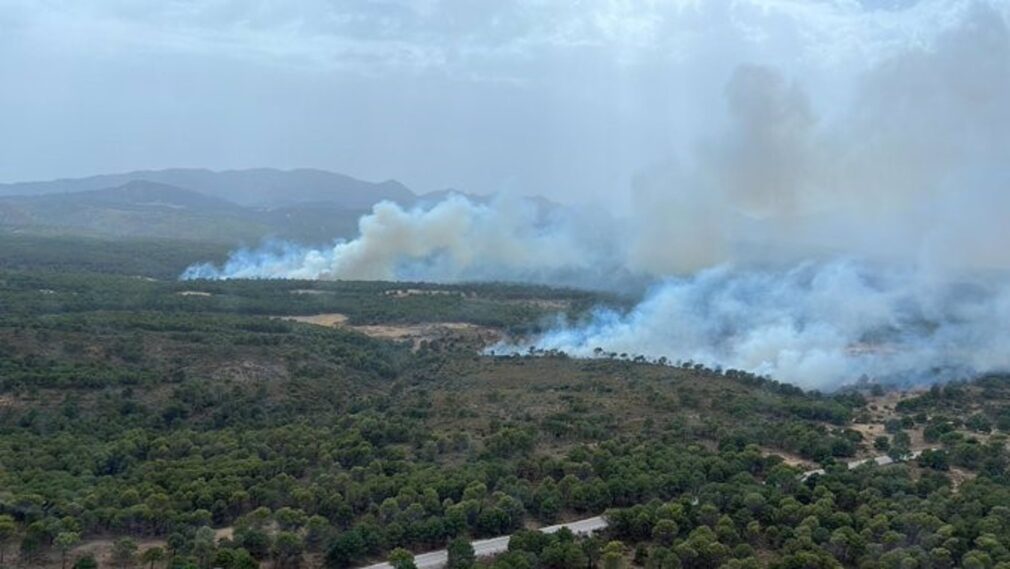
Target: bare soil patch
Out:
[101,548]
[880,409]
[788,458]
[414,333]
[332,319]
[959,476]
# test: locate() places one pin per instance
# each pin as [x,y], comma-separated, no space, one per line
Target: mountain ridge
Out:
[253,187]
[235,207]
[138,208]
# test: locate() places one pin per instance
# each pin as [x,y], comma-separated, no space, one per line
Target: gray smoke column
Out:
[817,242]
[913,168]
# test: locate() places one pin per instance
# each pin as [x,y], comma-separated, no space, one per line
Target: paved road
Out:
[496,545]
[882,460]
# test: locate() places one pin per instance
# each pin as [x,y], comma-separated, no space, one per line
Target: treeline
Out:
[514,307]
[156,258]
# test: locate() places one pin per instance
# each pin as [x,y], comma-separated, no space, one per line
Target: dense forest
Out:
[156,423]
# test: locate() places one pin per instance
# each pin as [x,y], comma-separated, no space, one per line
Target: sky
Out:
[570,100]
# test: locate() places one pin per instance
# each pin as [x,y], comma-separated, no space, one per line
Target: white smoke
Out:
[455,239]
[814,244]
[815,325]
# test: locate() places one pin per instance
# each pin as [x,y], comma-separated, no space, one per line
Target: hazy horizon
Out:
[567,102]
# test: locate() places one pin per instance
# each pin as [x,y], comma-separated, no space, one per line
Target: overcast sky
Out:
[568,99]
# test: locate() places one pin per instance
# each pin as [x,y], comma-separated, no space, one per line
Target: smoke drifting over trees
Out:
[816,241]
[818,325]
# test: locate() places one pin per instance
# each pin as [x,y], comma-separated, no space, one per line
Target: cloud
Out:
[464,35]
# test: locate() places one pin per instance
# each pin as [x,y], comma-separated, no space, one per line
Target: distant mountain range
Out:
[232,207]
[235,206]
[258,187]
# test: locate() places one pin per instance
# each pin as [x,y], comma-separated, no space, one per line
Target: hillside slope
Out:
[138,208]
[147,209]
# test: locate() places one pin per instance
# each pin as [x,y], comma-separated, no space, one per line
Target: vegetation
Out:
[202,431]
[154,258]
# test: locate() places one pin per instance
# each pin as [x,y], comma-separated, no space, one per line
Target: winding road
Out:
[496,545]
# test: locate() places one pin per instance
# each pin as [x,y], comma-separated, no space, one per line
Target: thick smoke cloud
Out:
[817,243]
[816,325]
[455,239]
[915,167]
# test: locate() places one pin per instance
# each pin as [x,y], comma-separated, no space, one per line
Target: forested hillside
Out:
[188,424]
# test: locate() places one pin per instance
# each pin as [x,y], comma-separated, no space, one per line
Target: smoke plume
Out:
[817,242]
[816,324]
[453,240]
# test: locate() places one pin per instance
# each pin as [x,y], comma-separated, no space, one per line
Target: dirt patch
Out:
[869,431]
[879,410]
[788,458]
[101,549]
[333,319]
[194,293]
[886,403]
[414,333]
[959,476]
